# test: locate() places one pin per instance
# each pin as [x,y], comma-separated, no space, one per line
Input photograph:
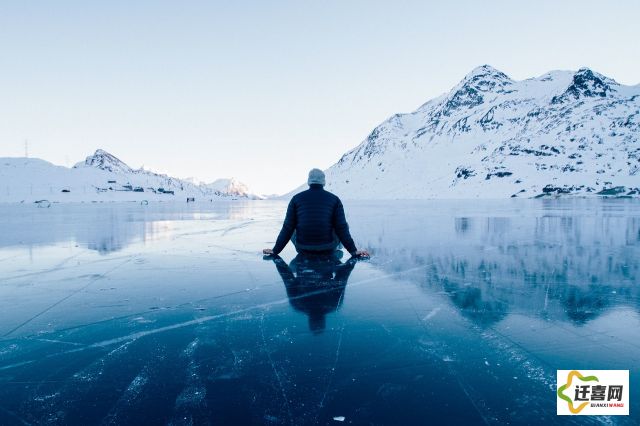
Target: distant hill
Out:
[103,177]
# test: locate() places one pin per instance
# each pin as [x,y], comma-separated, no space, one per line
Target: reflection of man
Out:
[315,284]
[315,222]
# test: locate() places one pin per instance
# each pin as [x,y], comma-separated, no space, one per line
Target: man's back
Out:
[315,209]
[317,218]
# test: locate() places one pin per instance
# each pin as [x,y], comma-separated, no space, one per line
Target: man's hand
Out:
[361,253]
[267,252]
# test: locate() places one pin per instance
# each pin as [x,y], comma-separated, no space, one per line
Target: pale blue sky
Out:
[266,90]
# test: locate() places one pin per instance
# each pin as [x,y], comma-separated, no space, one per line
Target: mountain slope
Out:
[101,177]
[493,137]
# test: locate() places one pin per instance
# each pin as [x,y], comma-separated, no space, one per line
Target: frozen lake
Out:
[168,314]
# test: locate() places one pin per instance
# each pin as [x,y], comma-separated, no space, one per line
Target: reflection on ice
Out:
[105,227]
[315,285]
[565,261]
[131,314]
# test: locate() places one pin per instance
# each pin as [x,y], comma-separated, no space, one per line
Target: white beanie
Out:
[316,176]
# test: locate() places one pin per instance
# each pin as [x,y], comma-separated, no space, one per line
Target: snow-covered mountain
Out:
[230,187]
[492,137]
[102,177]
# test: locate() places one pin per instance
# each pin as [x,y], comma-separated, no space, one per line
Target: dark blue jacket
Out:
[315,214]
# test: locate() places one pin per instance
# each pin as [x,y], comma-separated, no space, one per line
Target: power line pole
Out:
[26,148]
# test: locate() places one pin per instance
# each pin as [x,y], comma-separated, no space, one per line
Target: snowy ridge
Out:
[492,137]
[103,177]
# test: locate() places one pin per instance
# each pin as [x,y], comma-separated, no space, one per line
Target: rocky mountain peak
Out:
[101,159]
[585,83]
[486,78]
[469,92]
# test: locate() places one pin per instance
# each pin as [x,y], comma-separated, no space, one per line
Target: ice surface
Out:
[168,314]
